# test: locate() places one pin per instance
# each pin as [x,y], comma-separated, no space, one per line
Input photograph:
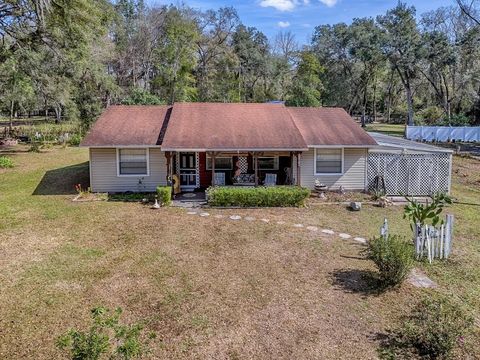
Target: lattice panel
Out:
[197,168]
[243,164]
[410,174]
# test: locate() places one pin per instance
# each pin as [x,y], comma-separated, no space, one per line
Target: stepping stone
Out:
[360,239]
[312,228]
[419,279]
[327,231]
[265,220]
[192,213]
[344,236]
[250,218]
[298,225]
[235,217]
[219,216]
[281,222]
[204,214]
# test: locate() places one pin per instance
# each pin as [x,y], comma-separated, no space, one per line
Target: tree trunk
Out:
[389,98]
[364,105]
[374,105]
[408,91]
[12,106]
[58,114]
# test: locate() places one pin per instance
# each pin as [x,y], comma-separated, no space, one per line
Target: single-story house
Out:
[137,148]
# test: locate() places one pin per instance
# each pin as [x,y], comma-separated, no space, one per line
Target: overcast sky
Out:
[301,16]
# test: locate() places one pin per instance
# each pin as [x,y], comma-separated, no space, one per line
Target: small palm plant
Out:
[429,212]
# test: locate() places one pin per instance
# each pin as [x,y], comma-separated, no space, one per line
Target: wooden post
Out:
[291,169]
[298,168]
[177,165]
[448,235]
[255,166]
[168,155]
[212,157]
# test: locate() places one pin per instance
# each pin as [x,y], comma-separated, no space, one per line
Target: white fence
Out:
[434,243]
[444,133]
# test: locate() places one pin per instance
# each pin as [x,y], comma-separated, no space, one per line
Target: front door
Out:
[188,170]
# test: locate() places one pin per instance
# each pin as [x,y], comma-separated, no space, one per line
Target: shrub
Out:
[6,162]
[456,120]
[75,140]
[34,147]
[435,327]
[164,195]
[431,114]
[393,256]
[106,336]
[258,196]
[141,97]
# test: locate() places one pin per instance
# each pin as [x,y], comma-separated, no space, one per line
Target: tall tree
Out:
[252,49]
[216,59]
[306,86]
[174,58]
[366,38]
[403,47]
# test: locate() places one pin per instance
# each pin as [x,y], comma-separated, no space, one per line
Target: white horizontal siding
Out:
[353,177]
[103,172]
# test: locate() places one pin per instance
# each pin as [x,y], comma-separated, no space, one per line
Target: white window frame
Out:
[275,161]
[219,157]
[315,173]
[147,155]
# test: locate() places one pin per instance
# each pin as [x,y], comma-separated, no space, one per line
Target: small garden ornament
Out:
[320,189]
[156,205]
[355,206]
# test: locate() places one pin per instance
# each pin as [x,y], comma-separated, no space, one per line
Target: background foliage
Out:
[70,59]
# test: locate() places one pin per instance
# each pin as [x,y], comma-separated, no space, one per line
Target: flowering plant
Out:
[78,188]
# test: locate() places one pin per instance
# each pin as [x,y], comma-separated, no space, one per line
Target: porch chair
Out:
[220,179]
[270,180]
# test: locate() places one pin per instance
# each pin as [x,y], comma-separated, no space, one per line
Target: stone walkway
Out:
[264,220]
[416,278]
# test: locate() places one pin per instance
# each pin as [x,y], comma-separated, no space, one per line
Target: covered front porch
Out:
[199,170]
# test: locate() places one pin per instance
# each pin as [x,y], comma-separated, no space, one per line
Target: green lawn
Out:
[209,288]
[388,129]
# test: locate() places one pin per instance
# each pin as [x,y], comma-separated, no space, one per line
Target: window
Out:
[221,163]
[132,162]
[328,161]
[268,163]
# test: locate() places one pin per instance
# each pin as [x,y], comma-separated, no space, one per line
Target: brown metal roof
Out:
[231,126]
[329,126]
[128,126]
[225,126]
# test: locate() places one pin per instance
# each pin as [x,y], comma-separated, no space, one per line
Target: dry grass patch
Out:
[210,288]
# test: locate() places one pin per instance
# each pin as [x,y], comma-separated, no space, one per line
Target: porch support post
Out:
[168,155]
[291,169]
[213,167]
[299,157]
[177,165]
[255,167]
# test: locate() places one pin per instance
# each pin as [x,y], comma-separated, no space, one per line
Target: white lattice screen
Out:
[410,174]
[243,164]
[197,170]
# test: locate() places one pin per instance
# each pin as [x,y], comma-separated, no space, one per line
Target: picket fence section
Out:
[434,242]
[443,133]
[430,242]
